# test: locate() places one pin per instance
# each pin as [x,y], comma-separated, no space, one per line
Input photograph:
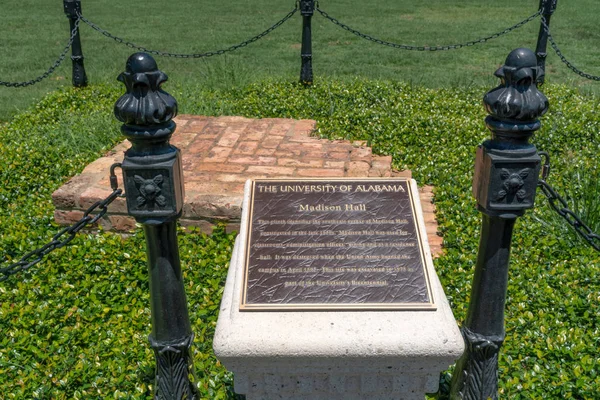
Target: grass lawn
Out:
[34,32]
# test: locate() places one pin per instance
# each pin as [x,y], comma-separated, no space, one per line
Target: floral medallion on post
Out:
[152,167]
[507,166]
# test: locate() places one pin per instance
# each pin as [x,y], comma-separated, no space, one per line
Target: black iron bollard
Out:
[72,8]
[153,183]
[506,176]
[307,9]
[548,7]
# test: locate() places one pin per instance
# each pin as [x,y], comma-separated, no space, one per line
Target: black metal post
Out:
[153,183]
[307,9]
[506,176]
[72,9]
[548,7]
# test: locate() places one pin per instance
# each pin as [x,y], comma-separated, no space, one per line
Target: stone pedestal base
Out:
[372,384]
[330,355]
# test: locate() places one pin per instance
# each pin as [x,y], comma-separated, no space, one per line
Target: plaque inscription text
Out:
[334,244]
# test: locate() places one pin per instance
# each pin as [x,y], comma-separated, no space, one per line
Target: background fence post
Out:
[506,176]
[548,7]
[72,8]
[307,9]
[153,182]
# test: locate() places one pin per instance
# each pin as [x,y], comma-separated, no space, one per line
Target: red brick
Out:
[281,127]
[381,162]
[259,124]
[380,173]
[253,135]
[202,225]
[257,129]
[290,148]
[427,206]
[288,153]
[334,164]
[202,206]
[198,147]
[231,177]
[338,155]
[292,162]
[100,166]
[182,139]
[118,206]
[67,217]
[213,177]
[301,146]
[67,195]
[246,147]
[265,152]
[218,154]
[228,139]
[237,128]
[314,154]
[105,182]
[319,172]
[272,171]
[358,168]
[249,160]
[304,127]
[190,177]
[426,191]
[339,146]
[193,125]
[187,164]
[217,167]
[361,153]
[208,136]
[182,119]
[271,142]
[122,223]
[304,139]
[212,130]
[234,120]
[213,188]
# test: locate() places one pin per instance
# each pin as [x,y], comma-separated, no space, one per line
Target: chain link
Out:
[563,58]
[50,70]
[561,207]
[193,55]
[427,48]
[33,257]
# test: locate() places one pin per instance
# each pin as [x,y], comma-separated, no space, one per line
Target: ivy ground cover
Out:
[75,325]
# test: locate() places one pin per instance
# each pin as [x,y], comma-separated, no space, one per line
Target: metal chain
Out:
[427,48]
[35,256]
[50,70]
[193,55]
[563,58]
[562,208]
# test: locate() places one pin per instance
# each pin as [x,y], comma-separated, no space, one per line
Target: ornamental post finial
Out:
[516,104]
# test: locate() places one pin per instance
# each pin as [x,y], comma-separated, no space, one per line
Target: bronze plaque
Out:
[331,244]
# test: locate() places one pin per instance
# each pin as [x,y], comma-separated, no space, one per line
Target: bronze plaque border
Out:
[425,261]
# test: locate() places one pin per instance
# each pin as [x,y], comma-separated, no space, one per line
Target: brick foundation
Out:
[219,155]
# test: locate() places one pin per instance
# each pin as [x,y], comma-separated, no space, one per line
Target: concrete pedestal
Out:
[333,355]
